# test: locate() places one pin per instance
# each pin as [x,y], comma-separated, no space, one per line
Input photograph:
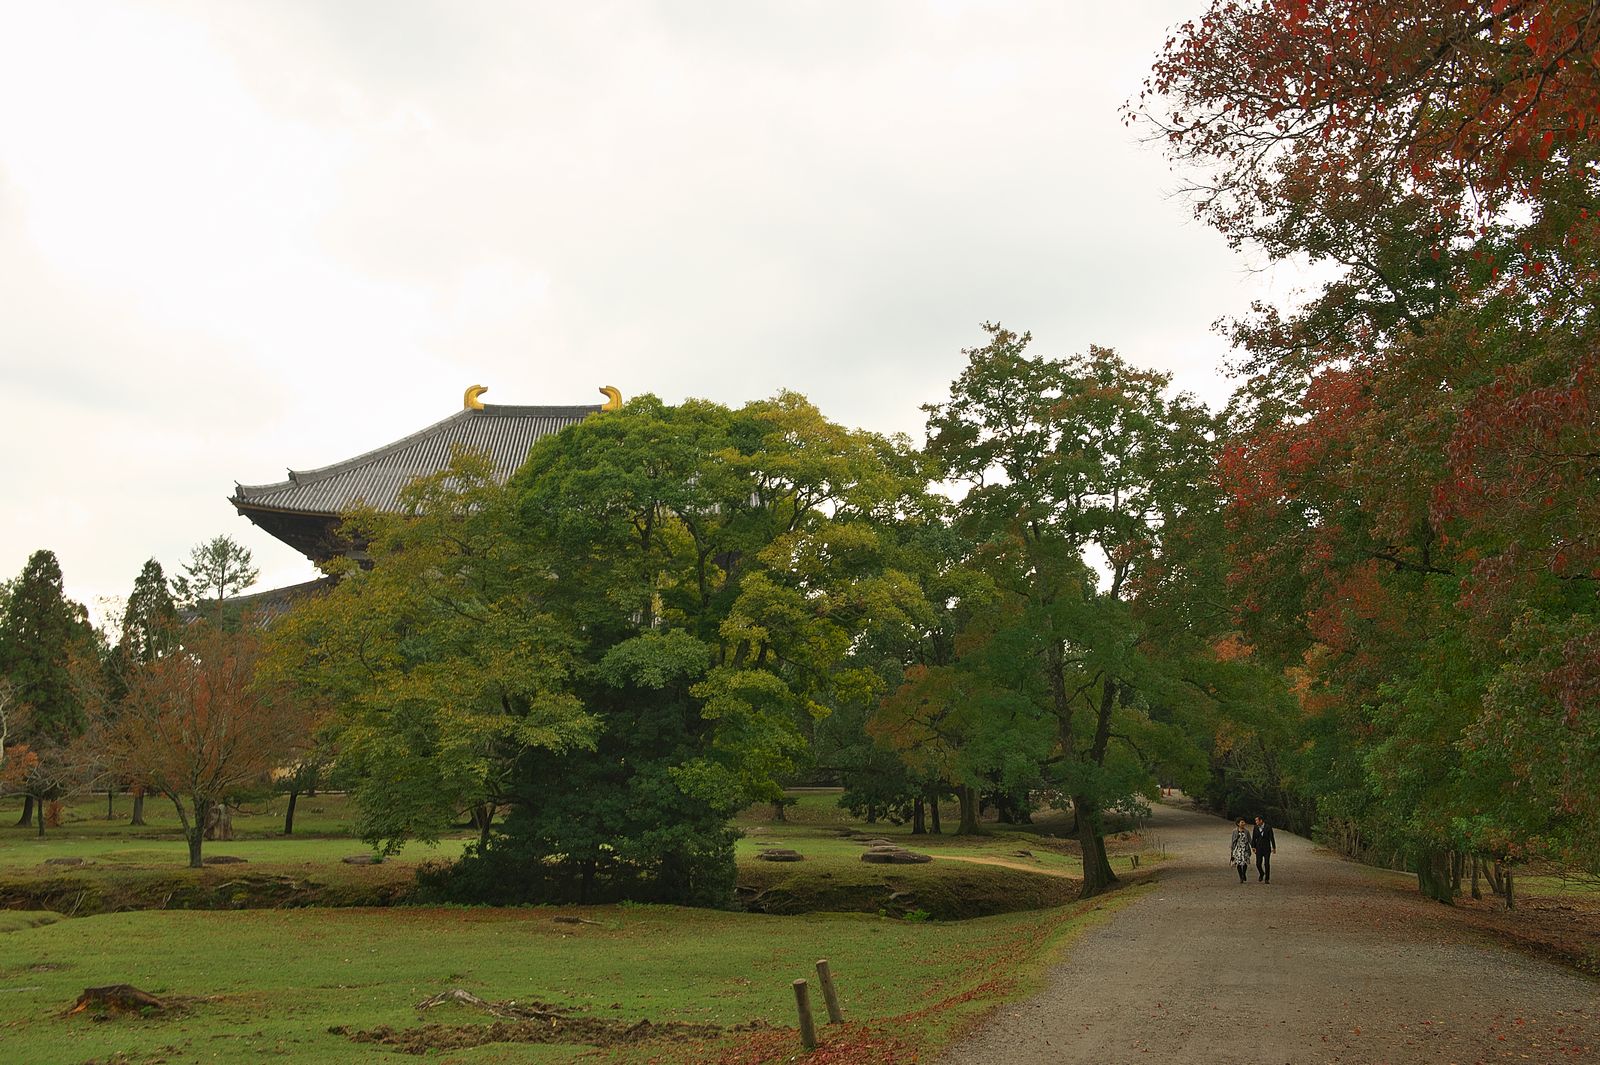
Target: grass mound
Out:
[17,920]
[114,890]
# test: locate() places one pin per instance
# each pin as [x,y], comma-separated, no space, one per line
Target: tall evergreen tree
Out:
[149,631]
[217,569]
[38,630]
[150,621]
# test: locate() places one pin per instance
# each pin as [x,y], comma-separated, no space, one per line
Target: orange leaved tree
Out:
[196,727]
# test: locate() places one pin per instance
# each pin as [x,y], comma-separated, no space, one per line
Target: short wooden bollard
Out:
[802,1003]
[829,995]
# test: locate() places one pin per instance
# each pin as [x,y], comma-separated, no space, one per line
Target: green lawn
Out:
[323,814]
[265,985]
[1585,888]
[19,853]
[146,868]
[268,983]
[124,867]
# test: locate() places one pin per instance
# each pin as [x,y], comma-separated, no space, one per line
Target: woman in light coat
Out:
[1239,854]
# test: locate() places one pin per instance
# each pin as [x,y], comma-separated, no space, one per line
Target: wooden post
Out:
[829,995]
[802,1003]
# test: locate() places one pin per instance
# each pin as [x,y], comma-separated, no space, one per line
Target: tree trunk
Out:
[967,796]
[196,832]
[1433,876]
[872,814]
[111,812]
[777,811]
[1511,892]
[138,805]
[919,824]
[1477,863]
[38,809]
[288,814]
[1097,874]
[586,888]
[933,814]
[1458,867]
[27,812]
[485,822]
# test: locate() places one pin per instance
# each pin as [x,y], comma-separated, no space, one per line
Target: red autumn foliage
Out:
[1414,454]
[1472,100]
[196,727]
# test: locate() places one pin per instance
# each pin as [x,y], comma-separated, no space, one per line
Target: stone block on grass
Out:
[894,856]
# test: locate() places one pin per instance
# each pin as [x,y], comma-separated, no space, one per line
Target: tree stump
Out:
[117,998]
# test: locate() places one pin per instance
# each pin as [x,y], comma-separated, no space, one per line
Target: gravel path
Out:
[1324,964]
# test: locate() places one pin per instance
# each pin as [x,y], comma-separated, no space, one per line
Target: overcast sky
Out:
[236,238]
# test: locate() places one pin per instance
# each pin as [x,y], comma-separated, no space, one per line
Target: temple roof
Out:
[504,433]
[265,607]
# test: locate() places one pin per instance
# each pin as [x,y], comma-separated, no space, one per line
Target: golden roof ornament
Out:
[470,400]
[613,398]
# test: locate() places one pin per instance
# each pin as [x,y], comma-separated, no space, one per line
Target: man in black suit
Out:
[1265,846]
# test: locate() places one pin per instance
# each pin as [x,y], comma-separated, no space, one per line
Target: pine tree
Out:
[217,569]
[38,629]
[149,631]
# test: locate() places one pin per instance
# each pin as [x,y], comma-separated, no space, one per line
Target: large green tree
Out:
[723,563]
[443,657]
[623,646]
[1079,474]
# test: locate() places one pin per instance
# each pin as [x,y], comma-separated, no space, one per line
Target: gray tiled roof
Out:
[263,607]
[505,433]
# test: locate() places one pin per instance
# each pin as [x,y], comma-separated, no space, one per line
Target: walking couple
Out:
[1258,839]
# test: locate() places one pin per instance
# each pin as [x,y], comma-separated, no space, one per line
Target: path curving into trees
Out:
[1325,964]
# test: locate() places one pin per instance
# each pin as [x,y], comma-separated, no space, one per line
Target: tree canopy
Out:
[1410,458]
